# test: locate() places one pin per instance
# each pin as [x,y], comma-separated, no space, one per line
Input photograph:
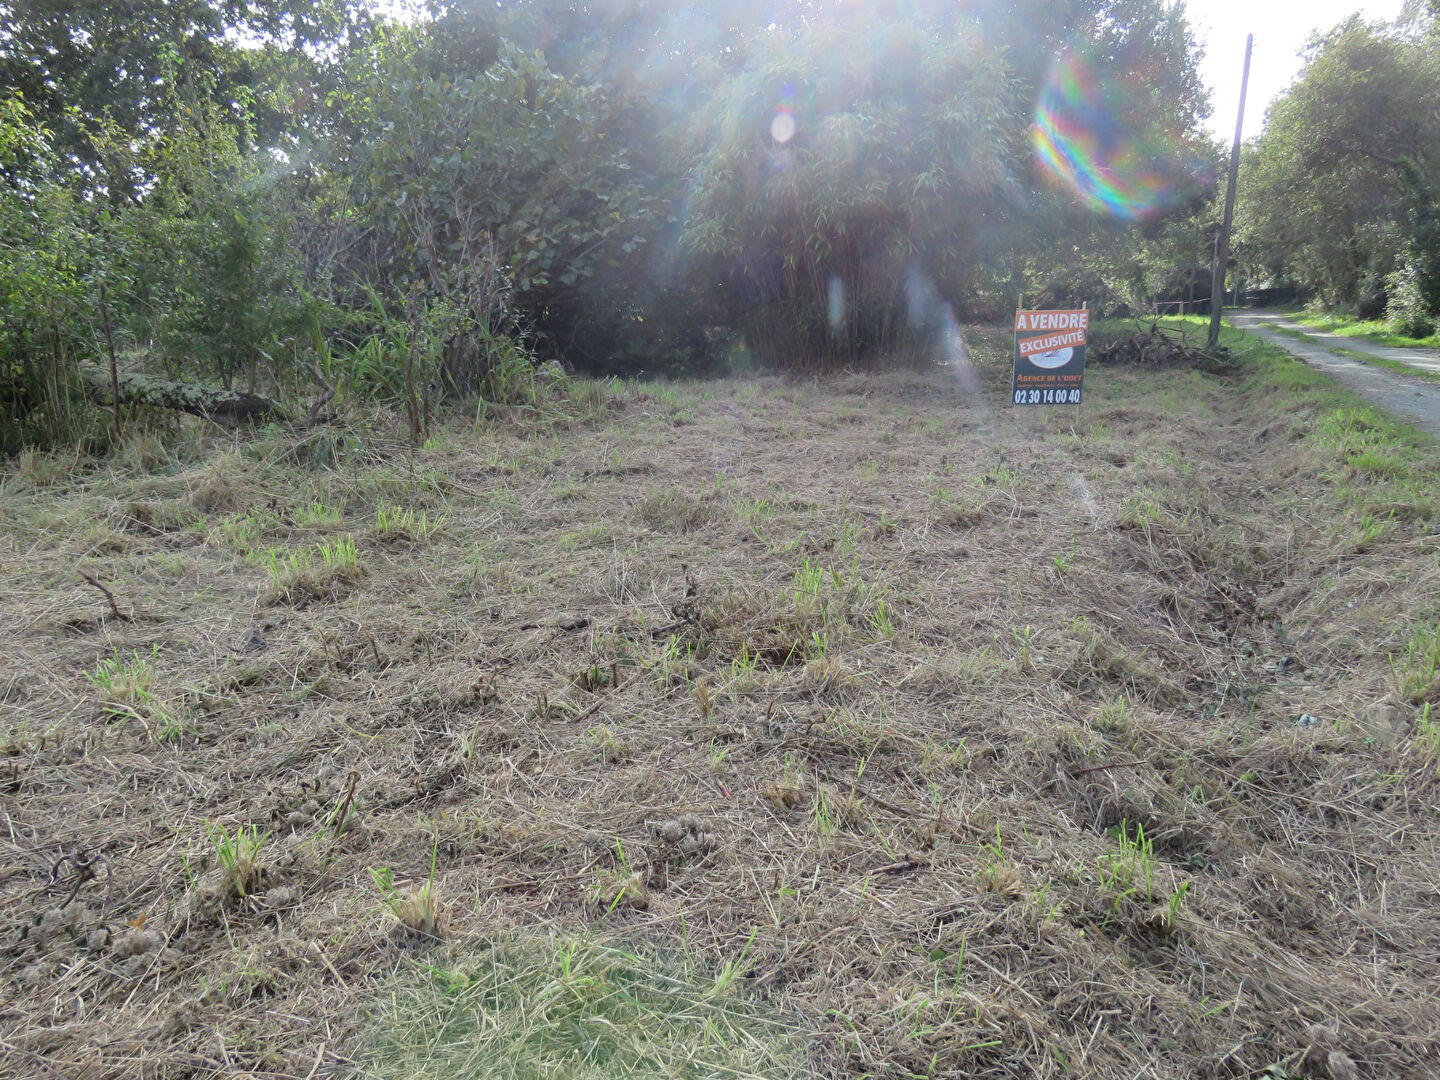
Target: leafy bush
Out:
[1407,310]
[503,173]
[208,264]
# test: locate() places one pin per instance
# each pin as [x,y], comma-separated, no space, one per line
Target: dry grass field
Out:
[859,727]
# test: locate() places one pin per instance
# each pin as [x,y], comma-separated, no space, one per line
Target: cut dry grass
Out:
[995,742]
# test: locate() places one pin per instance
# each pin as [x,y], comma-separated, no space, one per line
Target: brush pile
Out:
[1156,346]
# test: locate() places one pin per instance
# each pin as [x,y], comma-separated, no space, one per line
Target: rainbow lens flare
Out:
[1081,137]
[782,122]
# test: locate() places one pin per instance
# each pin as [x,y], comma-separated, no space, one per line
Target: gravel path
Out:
[1410,399]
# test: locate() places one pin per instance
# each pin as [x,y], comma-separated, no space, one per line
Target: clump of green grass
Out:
[1427,734]
[319,515]
[313,573]
[124,681]
[1128,872]
[1370,528]
[958,510]
[621,888]
[679,511]
[1115,716]
[998,874]
[238,856]
[126,686]
[676,664]
[1140,511]
[414,907]
[827,600]
[399,524]
[606,746]
[1417,669]
[43,468]
[576,1007]
[244,531]
[1378,463]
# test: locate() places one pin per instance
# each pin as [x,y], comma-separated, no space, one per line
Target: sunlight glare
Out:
[835,304]
[783,125]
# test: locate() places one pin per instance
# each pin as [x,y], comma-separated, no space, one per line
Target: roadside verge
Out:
[1409,399]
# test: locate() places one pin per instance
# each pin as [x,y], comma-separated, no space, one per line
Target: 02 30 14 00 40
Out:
[1047,397]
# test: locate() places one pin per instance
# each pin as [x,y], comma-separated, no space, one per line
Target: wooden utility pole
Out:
[1222,251]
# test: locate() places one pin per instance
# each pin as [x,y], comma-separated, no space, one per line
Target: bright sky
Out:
[1280,29]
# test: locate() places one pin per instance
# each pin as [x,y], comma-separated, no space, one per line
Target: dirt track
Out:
[1409,399]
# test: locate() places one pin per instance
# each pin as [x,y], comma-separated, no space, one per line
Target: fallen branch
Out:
[593,709]
[108,596]
[1159,346]
[342,817]
[899,867]
[227,407]
[82,865]
[856,789]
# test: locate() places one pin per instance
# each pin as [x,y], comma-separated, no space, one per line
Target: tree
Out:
[844,159]
[44,294]
[508,167]
[1342,186]
[77,63]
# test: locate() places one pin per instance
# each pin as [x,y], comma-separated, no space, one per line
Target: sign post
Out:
[1049,357]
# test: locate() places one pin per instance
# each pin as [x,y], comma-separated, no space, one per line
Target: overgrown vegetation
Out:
[580,1006]
[1341,195]
[1375,330]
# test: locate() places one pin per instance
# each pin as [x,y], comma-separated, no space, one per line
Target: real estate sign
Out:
[1049,357]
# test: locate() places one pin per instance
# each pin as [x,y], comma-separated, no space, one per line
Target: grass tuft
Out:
[576,1007]
[316,573]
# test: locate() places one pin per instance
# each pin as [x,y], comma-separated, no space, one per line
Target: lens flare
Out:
[835,304]
[1083,138]
[782,124]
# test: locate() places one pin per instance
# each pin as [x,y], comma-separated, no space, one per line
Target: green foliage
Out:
[421,211]
[124,683]
[44,288]
[1417,670]
[309,573]
[1129,871]
[464,172]
[1341,194]
[209,270]
[838,160]
[412,906]
[1408,309]
[199,266]
[238,856]
[78,62]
